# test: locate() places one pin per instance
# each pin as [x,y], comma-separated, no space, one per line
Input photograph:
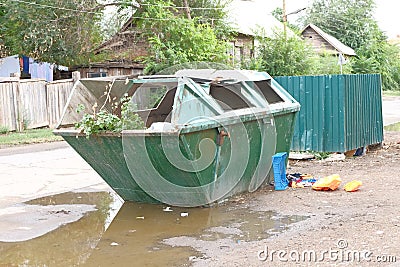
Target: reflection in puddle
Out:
[135,235]
[70,244]
[393,127]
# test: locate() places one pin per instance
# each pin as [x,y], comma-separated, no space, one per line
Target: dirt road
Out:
[343,229]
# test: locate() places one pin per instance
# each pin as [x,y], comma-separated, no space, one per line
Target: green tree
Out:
[280,56]
[380,57]
[176,39]
[60,31]
[350,21]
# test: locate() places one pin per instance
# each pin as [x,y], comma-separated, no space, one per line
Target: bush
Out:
[380,57]
[283,56]
[328,64]
[4,130]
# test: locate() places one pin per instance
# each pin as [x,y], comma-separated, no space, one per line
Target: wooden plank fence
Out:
[33,103]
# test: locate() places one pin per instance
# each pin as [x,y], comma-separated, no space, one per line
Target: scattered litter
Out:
[331,182]
[167,209]
[192,258]
[352,186]
[132,231]
[361,151]
[298,180]
[350,153]
[184,214]
[336,157]
[114,244]
[140,218]
[300,156]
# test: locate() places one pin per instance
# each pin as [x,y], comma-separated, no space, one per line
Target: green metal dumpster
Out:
[209,135]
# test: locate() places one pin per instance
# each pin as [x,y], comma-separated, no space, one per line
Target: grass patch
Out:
[393,127]
[391,93]
[4,129]
[28,137]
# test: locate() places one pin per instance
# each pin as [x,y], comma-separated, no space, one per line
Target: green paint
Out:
[339,112]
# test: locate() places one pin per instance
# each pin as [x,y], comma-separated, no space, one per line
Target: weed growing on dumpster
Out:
[104,121]
[129,118]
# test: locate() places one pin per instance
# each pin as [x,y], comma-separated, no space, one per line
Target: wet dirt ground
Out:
[344,229]
[69,217]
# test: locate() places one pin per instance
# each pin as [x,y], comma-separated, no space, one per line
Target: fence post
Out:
[76,75]
[18,108]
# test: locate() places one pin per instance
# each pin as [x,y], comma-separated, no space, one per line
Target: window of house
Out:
[96,74]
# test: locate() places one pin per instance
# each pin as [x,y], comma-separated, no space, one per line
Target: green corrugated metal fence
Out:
[338,112]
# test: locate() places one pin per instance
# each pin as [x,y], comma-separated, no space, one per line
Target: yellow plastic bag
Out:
[330,182]
[352,186]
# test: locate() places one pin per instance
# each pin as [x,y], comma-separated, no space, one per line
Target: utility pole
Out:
[284,17]
[187,9]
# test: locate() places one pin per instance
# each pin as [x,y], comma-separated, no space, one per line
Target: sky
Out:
[387,13]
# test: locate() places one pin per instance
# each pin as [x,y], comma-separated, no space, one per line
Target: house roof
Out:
[247,16]
[338,45]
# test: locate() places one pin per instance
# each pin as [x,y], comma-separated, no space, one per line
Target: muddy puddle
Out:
[393,127]
[134,234]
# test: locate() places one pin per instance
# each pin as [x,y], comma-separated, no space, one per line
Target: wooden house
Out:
[128,46]
[249,19]
[324,43]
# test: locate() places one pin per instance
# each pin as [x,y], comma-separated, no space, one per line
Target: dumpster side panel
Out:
[105,155]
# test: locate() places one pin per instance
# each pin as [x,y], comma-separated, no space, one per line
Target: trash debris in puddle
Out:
[330,182]
[298,180]
[140,218]
[184,214]
[167,209]
[352,186]
[114,244]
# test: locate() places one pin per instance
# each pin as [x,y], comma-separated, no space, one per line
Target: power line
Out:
[87,11]
[54,7]
[182,7]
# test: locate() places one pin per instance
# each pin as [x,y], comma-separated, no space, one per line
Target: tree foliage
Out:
[176,39]
[380,57]
[352,22]
[61,31]
[279,56]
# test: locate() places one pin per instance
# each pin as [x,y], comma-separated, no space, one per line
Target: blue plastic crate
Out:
[279,166]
